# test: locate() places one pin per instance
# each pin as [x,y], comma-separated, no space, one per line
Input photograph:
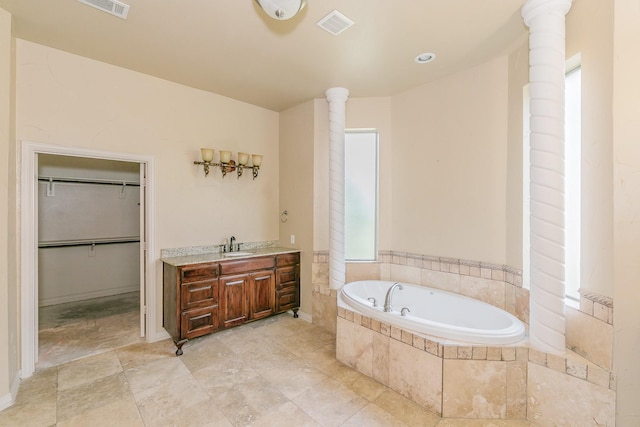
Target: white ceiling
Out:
[232,48]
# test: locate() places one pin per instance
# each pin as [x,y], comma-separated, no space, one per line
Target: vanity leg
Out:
[179,344]
[295,313]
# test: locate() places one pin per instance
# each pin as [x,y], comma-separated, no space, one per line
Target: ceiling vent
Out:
[335,23]
[113,7]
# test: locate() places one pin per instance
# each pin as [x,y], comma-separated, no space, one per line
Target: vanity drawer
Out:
[286,277]
[287,299]
[198,272]
[199,294]
[199,322]
[248,264]
[288,259]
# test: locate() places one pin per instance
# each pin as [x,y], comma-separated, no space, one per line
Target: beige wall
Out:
[321,175]
[8,270]
[518,78]
[626,202]
[296,189]
[69,100]
[590,32]
[449,165]
[453,202]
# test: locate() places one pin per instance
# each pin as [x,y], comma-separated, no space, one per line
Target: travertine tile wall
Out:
[495,284]
[589,329]
[507,382]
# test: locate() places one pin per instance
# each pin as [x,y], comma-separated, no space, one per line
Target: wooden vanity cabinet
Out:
[288,283]
[190,306]
[201,298]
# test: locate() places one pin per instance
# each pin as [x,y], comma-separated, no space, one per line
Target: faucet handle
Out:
[373,300]
[404,311]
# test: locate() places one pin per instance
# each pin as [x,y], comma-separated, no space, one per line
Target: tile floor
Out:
[274,372]
[78,329]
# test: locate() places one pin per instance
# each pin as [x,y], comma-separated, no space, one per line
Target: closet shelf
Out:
[87,181]
[88,242]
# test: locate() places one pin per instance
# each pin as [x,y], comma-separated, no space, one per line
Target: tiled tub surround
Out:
[551,382]
[590,329]
[477,382]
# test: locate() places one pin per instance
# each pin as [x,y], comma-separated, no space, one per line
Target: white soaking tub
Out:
[433,312]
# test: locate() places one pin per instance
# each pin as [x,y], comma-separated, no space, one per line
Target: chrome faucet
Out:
[387,299]
[233,238]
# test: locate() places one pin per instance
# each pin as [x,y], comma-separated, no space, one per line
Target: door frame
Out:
[29,247]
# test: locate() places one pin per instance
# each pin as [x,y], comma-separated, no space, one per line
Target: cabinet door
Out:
[287,288]
[262,294]
[234,309]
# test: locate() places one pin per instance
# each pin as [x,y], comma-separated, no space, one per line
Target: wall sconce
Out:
[227,164]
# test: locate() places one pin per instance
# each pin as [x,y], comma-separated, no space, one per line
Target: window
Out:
[572,155]
[526,193]
[361,194]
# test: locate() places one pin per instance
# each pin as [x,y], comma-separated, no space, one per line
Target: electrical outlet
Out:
[293,239]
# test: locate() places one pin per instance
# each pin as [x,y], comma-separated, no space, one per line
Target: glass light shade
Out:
[207,154]
[243,158]
[281,9]
[225,156]
[256,159]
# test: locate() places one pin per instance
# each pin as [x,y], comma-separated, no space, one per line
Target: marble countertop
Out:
[179,261]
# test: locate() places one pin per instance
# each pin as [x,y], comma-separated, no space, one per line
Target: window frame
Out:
[376,135]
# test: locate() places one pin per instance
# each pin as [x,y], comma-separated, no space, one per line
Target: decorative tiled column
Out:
[546,22]
[337,98]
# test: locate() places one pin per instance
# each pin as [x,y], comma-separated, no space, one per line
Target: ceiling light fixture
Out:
[281,9]
[423,58]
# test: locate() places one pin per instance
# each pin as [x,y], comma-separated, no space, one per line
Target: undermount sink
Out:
[235,254]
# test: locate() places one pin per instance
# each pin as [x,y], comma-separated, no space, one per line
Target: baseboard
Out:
[304,316]
[88,295]
[160,335]
[10,398]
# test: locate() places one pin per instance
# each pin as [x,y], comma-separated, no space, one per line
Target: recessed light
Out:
[423,58]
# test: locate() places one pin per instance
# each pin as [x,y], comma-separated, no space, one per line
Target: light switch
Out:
[293,239]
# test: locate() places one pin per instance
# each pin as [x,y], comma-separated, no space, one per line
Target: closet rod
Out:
[87,181]
[88,242]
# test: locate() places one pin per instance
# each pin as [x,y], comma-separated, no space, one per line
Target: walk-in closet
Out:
[88,256]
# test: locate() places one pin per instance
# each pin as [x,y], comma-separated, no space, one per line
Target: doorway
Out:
[30,248]
[88,257]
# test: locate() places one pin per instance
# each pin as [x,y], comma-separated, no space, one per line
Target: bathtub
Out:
[440,314]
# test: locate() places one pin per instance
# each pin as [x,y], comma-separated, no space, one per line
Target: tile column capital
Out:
[337,94]
[534,8]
